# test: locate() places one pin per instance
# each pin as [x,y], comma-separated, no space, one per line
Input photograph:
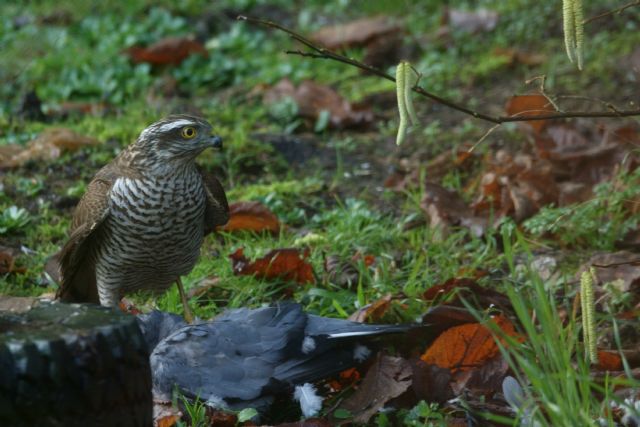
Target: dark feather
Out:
[217,209]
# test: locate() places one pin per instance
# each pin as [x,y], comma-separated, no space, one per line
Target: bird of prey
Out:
[142,220]
[245,357]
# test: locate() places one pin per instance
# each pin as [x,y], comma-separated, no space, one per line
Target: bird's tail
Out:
[339,329]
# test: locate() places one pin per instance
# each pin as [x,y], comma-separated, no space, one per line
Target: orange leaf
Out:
[346,378]
[466,346]
[372,312]
[287,264]
[609,361]
[168,51]
[368,260]
[251,216]
[530,105]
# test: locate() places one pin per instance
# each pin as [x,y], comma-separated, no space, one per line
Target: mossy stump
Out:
[72,365]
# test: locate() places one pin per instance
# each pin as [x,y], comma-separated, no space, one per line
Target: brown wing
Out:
[76,263]
[217,209]
[76,258]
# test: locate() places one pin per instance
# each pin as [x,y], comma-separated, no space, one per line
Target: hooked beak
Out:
[215,142]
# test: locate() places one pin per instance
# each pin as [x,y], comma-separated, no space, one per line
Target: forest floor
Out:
[497,223]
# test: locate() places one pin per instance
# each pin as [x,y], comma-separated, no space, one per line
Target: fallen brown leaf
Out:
[49,145]
[386,379]
[622,266]
[80,108]
[516,56]
[220,418]
[7,261]
[609,361]
[313,98]
[470,290]
[443,317]
[340,272]
[430,383]
[358,33]
[466,346]
[251,216]
[286,264]
[516,186]
[484,380]
[530,105]
[446,209]
[165,414]
[168,51]
[372,312]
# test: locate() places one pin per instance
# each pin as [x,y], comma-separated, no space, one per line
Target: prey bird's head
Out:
[177,138]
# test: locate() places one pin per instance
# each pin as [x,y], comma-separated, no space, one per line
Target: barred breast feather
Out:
[133,231]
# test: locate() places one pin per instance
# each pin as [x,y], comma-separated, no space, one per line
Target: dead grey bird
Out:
[143,218]
[245,357]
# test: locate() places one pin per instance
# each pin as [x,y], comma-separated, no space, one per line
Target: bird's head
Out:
[178,138]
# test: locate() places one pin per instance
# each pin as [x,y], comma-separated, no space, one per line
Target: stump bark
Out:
[73,365]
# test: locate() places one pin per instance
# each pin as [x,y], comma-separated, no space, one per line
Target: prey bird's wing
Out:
[217,209]
[231,358]
[76,258]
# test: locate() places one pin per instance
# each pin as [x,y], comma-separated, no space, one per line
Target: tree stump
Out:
[72,365]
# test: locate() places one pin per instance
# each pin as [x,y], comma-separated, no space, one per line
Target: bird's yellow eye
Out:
[189,132]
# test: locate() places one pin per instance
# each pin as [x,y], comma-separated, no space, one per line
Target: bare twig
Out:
[324,53]
[612,12]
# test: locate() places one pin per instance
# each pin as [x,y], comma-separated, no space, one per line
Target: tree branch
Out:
[323,53]
[612,12]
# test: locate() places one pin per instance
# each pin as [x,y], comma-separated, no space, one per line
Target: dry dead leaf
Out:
[374,311]
[251,216]
[386,379]
[49,145]
[516,186]
[165,414]
[431,383]
[8,262]
[584,154]
[466,346]
[286,264]
[340,272]
[516,56]
[470,290]
[443,317]
[530,105]
[80,108]
[203,287]
[484,380]
[358,33]
[313,98]
[619,269]
[220,418]
[168,51]
[609,361]
[447,209]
